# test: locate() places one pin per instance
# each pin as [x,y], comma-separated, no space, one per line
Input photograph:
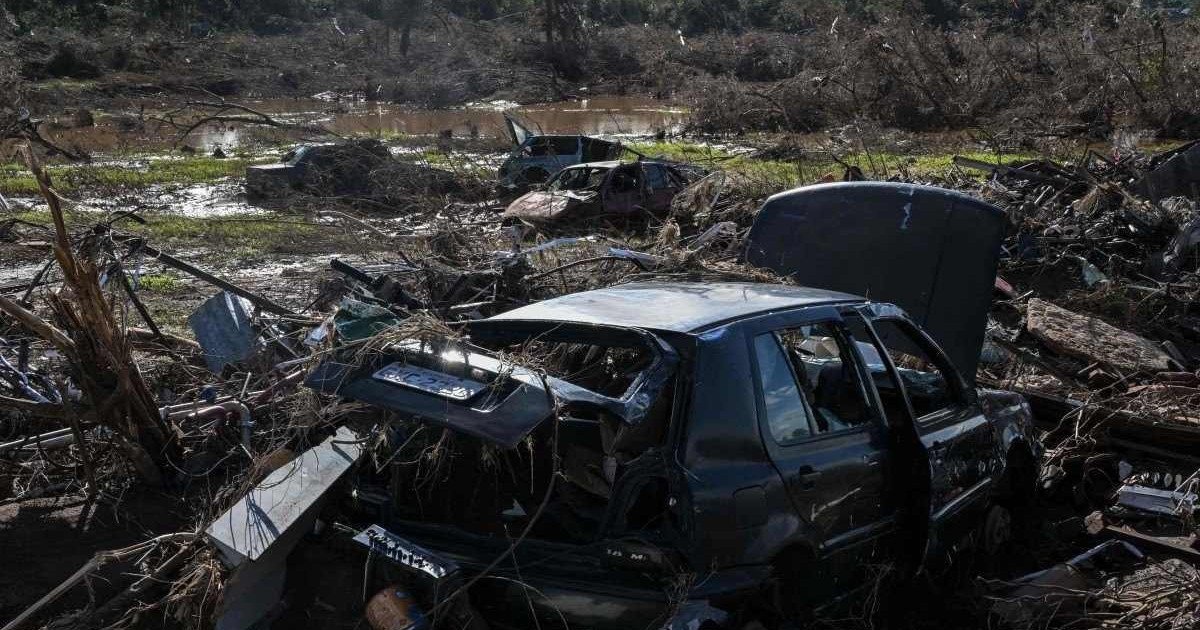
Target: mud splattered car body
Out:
[683,450]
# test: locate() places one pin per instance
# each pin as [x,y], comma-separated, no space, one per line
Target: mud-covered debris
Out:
[1092,339]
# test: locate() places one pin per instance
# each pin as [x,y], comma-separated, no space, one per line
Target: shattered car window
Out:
[626,179]
[441,477]
[827,375]
[786,409]
[542,146]
[607,370]
[577,179]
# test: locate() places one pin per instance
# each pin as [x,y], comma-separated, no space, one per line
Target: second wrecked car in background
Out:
[535,157]
[602,190]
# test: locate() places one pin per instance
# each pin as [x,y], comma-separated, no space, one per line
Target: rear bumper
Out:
[554,585]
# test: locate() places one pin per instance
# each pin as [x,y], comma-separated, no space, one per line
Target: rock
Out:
[1093,340]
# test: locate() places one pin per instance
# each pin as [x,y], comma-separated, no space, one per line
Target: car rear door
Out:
[826,440]
[964,456]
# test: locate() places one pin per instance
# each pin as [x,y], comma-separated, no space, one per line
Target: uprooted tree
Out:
[97,349]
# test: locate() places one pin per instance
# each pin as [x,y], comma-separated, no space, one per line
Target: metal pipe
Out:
[52,439]
[245,420]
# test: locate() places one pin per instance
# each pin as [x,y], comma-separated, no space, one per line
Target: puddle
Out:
[605,116]
[10,274]
[196,201]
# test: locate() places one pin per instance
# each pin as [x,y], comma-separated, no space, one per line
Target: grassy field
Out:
[133,173]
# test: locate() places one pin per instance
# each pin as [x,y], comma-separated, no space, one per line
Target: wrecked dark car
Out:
[601,189]
[676,454]
[536,157]
[353,169]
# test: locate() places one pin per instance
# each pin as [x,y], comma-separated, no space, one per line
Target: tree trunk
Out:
[551,20]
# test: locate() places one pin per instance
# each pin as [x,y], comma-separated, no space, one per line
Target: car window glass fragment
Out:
[786,409]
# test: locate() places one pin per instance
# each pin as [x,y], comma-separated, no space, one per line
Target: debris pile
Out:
[1095,323]
[1093,320]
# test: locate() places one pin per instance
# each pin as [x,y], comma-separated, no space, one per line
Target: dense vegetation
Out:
[1056,66]
[691,16]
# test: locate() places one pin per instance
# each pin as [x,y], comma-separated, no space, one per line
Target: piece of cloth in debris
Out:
[356,320]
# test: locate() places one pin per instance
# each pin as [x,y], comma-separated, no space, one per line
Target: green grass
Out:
[160,283]
[813,165]
[15,180]
[253,234]
[234,236]
[681,151]
[66,85]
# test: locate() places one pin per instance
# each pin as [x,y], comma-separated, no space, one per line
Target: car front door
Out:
[827,441]
[623,190]
[964,456]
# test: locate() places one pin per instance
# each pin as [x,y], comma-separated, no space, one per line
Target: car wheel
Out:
[997,529]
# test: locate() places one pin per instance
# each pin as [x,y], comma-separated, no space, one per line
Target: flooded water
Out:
[613,116]
[136,129]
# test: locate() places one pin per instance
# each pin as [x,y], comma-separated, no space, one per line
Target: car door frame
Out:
[852,545]
[942,434]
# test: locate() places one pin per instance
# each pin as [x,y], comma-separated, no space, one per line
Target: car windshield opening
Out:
[577,179]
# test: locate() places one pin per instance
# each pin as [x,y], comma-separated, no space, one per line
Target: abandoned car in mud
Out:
[593,190]
[675,454]
[535,157]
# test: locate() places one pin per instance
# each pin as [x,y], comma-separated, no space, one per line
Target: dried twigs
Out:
[99,560]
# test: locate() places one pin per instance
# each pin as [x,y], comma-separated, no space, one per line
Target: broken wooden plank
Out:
[1089,338]
[37,325]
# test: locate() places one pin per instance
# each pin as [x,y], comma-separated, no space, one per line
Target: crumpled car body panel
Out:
[541,206]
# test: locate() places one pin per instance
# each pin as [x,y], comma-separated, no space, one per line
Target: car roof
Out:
[607,164]
[613,164]
[674,306]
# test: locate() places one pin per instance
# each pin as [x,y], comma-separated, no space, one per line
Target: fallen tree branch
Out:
[100,559]
[37,325]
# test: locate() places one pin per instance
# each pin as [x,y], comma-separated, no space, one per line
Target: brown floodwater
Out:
[135,128]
